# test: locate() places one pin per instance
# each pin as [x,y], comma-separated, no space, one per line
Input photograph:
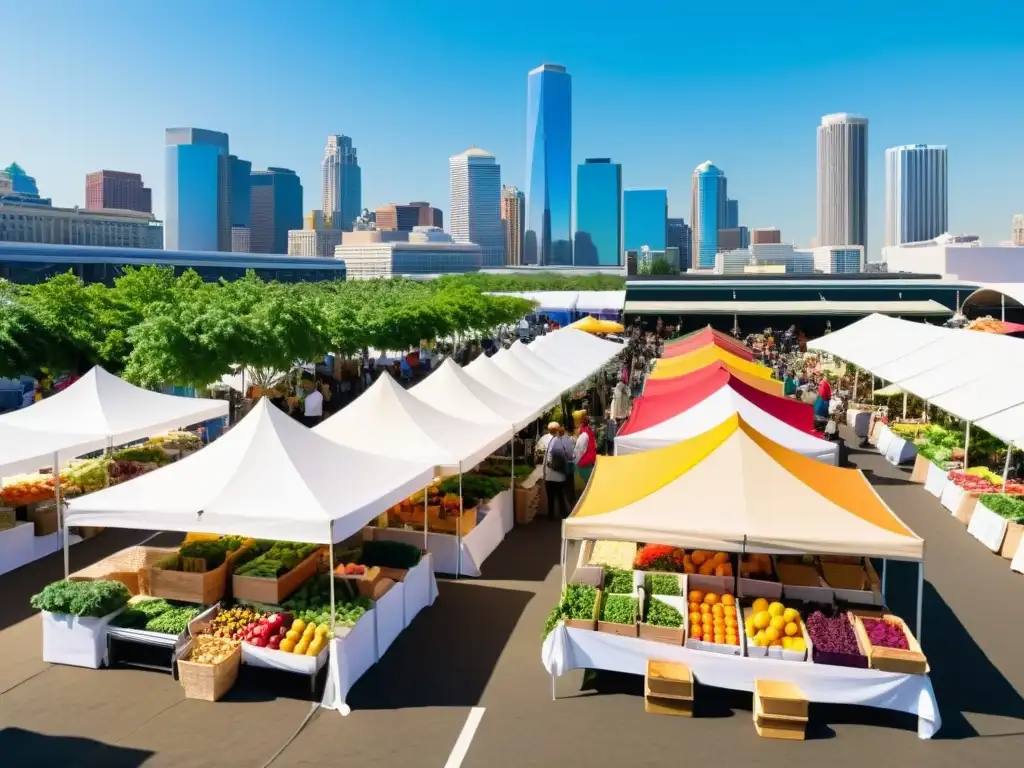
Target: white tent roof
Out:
[575,350]
[714,410]
[100,407]
[26,450]
[268,477]
[860,343]
[560,372]
[455,392]
[515,367]
[389,421]
[1007,425]
[495,378]
[600,301]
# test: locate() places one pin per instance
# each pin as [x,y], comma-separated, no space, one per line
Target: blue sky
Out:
[658,86]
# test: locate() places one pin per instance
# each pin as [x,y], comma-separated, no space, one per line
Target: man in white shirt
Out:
[313,405]
[555,450]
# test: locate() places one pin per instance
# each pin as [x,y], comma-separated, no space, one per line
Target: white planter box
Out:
[77,642]
[951,496]
[935,482]
[900,451]
[987,527]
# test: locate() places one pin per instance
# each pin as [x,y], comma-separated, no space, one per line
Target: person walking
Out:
[556,452]
[585,452]
[611,428]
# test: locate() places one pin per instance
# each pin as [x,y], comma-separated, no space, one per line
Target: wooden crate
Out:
[920,471]
[780,700]
[1011,541]
[590,624]
[668,680]
[203,588]
[668,635]
[125,566]
[778,728]
[909,662]
[622,630]
[274,591]
[654,705]
[453,523]
[209,682]
[365,582]
[526,498]
[965,508]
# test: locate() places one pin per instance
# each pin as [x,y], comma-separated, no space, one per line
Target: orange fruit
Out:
[696,596]
[730,622]
[705,608]
[720,570]
[718,624]
[720,557]
[689,567]
[694,605]
[717,612]
[696,632]
[695,617]
[698,557]
[708,569]
[734,641]
[710,598]
[728,599]
[730,610]
[720,639]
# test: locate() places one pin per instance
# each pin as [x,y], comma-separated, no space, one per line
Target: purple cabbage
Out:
[832,634]
[885,635]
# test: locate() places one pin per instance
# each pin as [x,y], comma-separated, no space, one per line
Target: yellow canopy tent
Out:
[672,367]
[592,324]
[654,387]
[732,488]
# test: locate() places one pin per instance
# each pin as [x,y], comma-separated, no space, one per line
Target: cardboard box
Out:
[668,680]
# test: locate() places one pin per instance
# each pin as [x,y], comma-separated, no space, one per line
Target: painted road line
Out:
[461,747]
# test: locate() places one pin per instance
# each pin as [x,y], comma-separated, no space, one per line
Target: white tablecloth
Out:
[859,420]
[951,496]
[20,546]
[1017,564]
[390,613]
[566,649]
[987,527]
[900,451]
[419,588]
[936,480]
[351,656]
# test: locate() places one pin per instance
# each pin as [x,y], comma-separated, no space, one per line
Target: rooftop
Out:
[843,117]
[548,68]
[473,152]
[707,167]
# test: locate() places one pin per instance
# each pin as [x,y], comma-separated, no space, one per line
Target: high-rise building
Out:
[916,193]
[513,220]
[644,219]
[598,214]
[276,209]
[342,183]
[198,190]
[429,216]
[475,212]
[732,238]
[117,191]
[1018,229]
[678,236]
[765,235]
[732,215]
[843,180]
[400,218]
[548,238]
[241,204]
[708,196]
[19,188]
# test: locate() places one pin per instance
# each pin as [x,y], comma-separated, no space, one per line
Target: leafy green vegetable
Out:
[663,615]
[281,557]
[551,621]
[173,622]
[93,599]
[1005,505]
[142,453]
[661,584]
[618,609]
[618,581]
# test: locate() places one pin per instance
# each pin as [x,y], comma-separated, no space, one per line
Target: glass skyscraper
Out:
[241,192]
[548,238]
[598,214]
[276,208]
[708,197]
[342,190]
[198,214]
[645,219]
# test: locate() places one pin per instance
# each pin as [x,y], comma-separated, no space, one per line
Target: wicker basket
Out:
[126,566]
[209,682]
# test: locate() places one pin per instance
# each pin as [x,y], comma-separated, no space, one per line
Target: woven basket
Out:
[209,682]
[127,566]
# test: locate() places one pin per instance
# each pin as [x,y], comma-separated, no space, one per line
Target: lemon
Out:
[787,643]
[750,627]
[771,634]
[776,609]
[777,623]
[798,644]
[792,629]
[762,619]
[791,615]
[287,645]
[760,605]
[298,625]
[759,639]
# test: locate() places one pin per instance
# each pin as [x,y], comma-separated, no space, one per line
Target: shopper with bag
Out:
[556,450]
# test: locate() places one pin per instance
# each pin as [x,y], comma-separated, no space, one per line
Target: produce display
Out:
[93,599]
[157,615]
[578,601]
[502,468]
[144,454]
[1004,505]
[662,614]
[232,623]
[180,440]
[84,477]
[202,555]
[976,480]
[207,649]
[661,557]
[350,569]
[936,454]
[174,621]
[274,558]
[389,554]
[885,635]
[832,634]
[713,617]
[618,581]
[757,566]
[19,490]
[312,602]
[773,624]
[278,631]
[661,584]
[618,554]
[618,609]
[122,471]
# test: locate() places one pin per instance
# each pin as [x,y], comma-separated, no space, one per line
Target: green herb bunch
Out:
[661,584]
[92,599]
[662,614]
[578,602]
[618,609]
[1005,505]
[618,581]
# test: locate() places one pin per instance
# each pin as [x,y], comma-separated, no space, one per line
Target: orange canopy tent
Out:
[718,369]
[674,367]
[705,337]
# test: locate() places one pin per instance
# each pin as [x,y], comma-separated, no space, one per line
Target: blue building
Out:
[16,186]
[598,214]
[548,232]
[28,264]
[198,190]
[708,197]
[241,192]
[732,215]
[276,208]
[645,219]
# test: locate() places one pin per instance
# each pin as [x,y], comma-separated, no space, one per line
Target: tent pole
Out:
[331,571]
[426,494]
[920,596]
[458,530]
[856,379]
[62,518]
[904,405]
[967,444]
[885,572]
[1006,468]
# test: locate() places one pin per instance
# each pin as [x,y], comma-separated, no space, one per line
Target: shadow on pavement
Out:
[877,479]
[28,749]
[447,655]
[528,553]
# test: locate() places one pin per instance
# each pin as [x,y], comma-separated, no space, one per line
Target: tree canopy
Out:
[156,328]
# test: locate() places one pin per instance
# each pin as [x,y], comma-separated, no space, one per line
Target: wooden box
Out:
[44,517]
[188,587]
[613,628]
[273,591]
[1011,541]
[126,566]
[364,582]
[654,705]
[668,680]
[209,682]
[453,523]
[669,635]
[526,496]
[965,508]
[909,662]
[8,517]
[783,700]
[920,471]
[590,624]
[777,727]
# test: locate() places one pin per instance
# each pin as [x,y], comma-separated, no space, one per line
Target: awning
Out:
[915,308]
[680,385]
[591,324]
[705,337]
[670,368]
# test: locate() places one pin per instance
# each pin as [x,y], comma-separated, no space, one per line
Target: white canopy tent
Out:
[859,343]
[513,366]
[389,421]
[268,477]
[600,301]
[560,372]
[26,450]
[494,377]
[575,350]
[452,390]
[713,411]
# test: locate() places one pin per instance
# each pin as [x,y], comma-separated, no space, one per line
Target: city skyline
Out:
[404,137]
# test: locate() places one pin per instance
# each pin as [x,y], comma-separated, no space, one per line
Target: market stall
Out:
[674,367]
[680,384]
[752,539]
[581,352]
[704,337]
[271,478]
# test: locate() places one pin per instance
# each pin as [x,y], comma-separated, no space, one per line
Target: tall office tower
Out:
[598,214]
[198,214]
[398,218]
[765,235]
[21,182]
[916,194]
[429,216]
[1018,229]
[342,183]
[475,213]
[241,204]
[708,197]
[843,180]
[548,238]
[117,191]
[513,220]
[644,219]
[276,208]
[678,236]
[732,215]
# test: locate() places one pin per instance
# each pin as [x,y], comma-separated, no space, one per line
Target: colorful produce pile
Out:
[232,622]
[93,599]
[350,569]
[85,477]
[713,618]
[20,490]
[618,609]
[123,471]
[207,649]
[832,634]
[312,602]
[661,557]
[144,454]
[976,480]
[885,634]
[157,616]
[273,559]
[180,440]
[773,624]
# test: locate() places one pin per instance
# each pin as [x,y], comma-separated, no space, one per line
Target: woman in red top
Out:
[586,451]
[825,389]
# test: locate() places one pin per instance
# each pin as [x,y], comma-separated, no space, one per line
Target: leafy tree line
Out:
[153,327]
